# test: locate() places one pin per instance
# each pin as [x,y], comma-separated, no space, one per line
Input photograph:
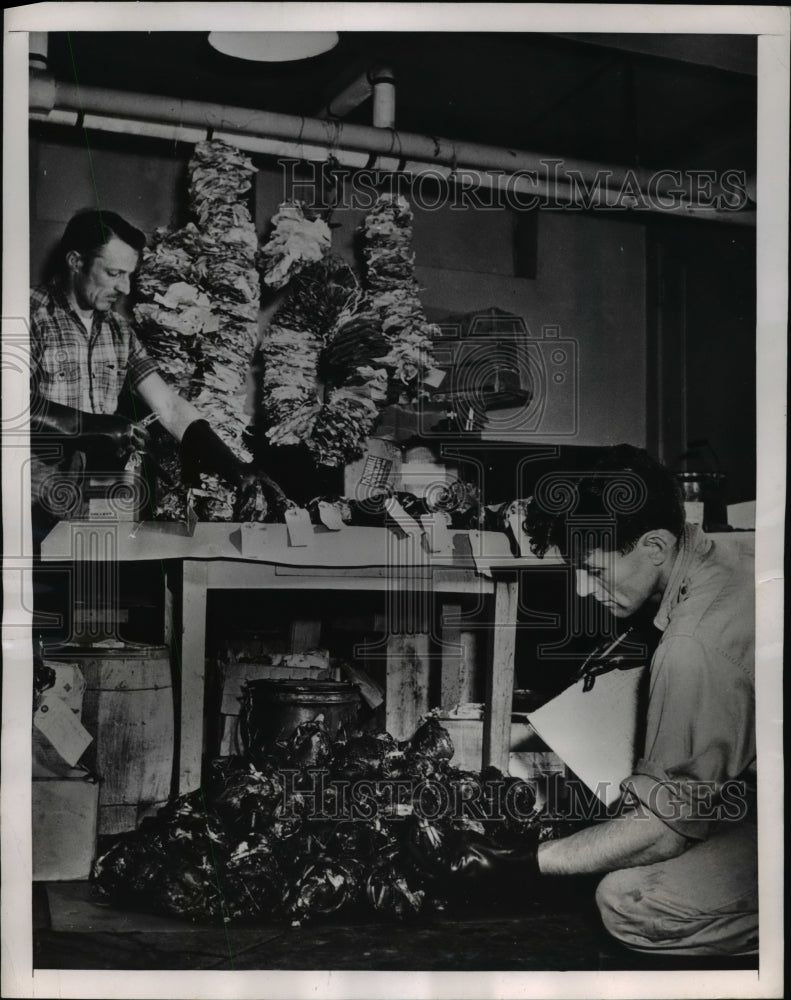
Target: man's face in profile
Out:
[97,284]
[620,582]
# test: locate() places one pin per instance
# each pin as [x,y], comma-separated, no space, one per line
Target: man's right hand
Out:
[474,866]
[114,432]
[123,436]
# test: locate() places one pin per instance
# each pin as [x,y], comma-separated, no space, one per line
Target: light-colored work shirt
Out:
[700,726]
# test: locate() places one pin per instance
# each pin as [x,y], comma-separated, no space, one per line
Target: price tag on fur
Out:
[515,520]
[300,530]
[330,516]
[254,539]
[62,728]
[434,378]
[436,526]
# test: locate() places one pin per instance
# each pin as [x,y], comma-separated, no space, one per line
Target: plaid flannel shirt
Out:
[76,367]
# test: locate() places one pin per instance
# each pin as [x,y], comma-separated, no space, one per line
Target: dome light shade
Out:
[273,46]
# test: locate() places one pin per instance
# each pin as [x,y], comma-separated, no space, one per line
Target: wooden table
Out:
[234,557]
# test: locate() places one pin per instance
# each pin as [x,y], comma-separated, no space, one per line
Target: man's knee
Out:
[620,899]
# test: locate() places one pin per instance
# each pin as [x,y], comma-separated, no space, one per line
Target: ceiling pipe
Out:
[38,49]
[351,97]
[383,82]
[517,192]
[379,81]
[473,164]
[42,85]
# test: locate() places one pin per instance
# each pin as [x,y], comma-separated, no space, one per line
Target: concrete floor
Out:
[557,933]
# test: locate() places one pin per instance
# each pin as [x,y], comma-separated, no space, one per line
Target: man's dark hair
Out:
[627,490]
[87,232]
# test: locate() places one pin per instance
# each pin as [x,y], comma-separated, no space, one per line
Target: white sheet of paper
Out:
[594,732]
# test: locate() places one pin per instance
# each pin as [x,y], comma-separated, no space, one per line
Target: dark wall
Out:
[702,329]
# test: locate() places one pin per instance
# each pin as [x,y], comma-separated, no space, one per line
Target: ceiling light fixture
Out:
[273,46]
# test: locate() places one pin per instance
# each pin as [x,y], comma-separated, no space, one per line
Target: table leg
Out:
[451,657]
[193,674]
[457,659]
[406,697]
[500,677]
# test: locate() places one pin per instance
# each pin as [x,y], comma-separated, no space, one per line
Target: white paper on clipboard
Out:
[595,732]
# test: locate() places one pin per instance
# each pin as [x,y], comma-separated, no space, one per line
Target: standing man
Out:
[680,860]
[82,354]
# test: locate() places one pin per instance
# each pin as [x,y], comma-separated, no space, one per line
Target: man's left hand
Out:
[256,495]
[251,504]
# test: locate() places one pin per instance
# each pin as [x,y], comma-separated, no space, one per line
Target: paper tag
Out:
[69,685]
[404,521]
[300,530]
[330,516]
[434,377]
[254,539]
[62,728]
[515,518]
[436,527]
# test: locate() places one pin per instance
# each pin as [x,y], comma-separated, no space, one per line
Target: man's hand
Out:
[109,430]
[256,495]
[475,867]
[251,503]
[203,451]
[478,862]
[123,436]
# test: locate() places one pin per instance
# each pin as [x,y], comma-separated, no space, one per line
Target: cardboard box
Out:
[65,818]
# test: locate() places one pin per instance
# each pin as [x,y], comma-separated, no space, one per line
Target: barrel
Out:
[272,710]
[128,709]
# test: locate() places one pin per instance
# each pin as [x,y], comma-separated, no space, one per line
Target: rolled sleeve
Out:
[699,736]
[141,364]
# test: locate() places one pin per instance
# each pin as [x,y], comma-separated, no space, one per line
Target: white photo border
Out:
[771,24]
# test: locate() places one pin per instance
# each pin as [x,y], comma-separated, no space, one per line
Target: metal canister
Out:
[708,489]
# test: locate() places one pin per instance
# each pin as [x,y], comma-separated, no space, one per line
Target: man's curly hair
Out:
[626,486]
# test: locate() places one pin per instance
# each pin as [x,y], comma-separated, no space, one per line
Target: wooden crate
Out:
[64,824]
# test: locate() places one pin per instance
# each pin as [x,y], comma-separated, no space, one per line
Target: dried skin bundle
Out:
[321,381]
[393,290]
[198,318]
[295,242]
